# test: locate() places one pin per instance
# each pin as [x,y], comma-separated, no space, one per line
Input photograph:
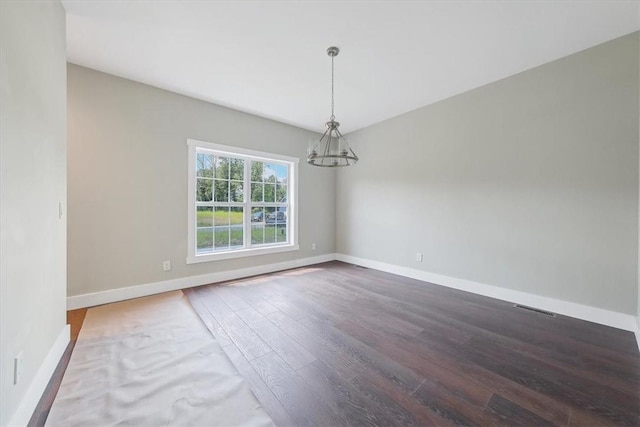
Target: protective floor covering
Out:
[151,362]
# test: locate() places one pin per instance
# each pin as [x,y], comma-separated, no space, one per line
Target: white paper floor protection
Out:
[151,362]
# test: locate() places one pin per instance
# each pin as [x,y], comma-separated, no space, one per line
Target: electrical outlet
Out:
[313,246]
[166,265]
[18,366]
[419,257]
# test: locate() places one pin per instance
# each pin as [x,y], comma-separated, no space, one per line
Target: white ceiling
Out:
[269,57]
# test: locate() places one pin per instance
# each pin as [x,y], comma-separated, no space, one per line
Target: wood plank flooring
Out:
[75,318]
[335,344]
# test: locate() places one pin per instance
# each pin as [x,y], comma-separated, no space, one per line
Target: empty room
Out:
[319,213]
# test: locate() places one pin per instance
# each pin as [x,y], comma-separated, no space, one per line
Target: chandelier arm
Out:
[320,140]
[327,145]
[327,135]
[324,134]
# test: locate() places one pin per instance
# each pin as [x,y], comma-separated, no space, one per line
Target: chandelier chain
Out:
[332,101]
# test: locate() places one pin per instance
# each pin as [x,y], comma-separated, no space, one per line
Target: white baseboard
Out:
[31,398]
[121,294]
[584,312]
[637,331]
[579,311]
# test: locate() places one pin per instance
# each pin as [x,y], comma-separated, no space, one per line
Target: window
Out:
[241,202]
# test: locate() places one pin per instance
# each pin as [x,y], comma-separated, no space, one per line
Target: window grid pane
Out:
[230,200]
[204,189]
[204,242]
[236,227]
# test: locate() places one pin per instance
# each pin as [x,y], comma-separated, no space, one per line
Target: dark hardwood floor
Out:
[75,318]
[336,344]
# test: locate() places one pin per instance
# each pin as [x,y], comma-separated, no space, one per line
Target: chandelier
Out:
[332,149]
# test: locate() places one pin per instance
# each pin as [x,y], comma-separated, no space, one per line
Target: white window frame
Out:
[242,153]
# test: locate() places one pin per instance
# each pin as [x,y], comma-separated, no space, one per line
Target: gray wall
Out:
[529,183]
[128,181]
[32,181]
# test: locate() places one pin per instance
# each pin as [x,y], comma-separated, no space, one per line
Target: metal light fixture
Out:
[332,149]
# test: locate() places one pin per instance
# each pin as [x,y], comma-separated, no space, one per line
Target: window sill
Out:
[240,253]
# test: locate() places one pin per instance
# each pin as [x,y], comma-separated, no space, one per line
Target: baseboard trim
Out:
[584,312]
[31,398]
[567,308]
[121,294]
[637,331]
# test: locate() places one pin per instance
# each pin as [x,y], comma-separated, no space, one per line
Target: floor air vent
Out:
[537,310]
